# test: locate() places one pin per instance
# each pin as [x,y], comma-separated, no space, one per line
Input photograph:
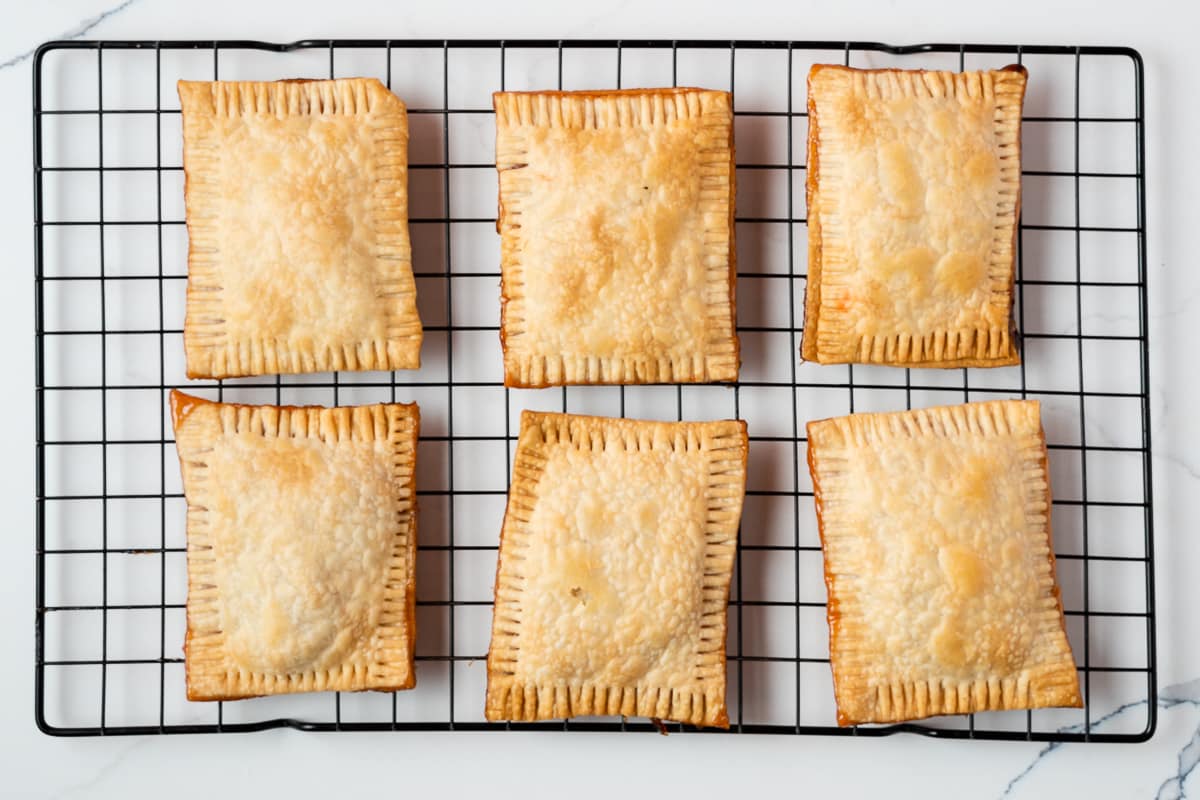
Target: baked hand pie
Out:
[297,212]
[914,188]
[614,569]
[616,231]
[302,533]
[936,530]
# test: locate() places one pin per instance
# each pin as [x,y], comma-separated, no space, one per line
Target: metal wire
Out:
[49,495]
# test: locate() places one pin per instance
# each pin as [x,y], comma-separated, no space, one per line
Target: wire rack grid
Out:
[110,270]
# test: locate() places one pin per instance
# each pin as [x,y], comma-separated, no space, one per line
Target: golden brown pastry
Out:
[615,562]
[936,531]
[914,185]
[297,212]
[616,228]
[301,535]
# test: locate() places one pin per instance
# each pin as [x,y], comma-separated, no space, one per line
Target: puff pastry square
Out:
[616,230]
[914,186]
[297,211]
[615,560]
[302,532]
[936,531]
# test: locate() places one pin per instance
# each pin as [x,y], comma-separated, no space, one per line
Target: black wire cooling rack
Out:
[109,542]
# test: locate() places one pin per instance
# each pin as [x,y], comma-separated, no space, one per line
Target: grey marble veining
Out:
[1176,696]
[1183,694]
[1180,698]
[84,27]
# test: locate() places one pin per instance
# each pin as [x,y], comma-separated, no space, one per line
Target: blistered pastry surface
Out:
[301,547]
[936,533]
[914,189]
[299,257]
[614,570]
[616,235]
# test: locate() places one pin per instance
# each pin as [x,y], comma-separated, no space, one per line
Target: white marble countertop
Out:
[593,764]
